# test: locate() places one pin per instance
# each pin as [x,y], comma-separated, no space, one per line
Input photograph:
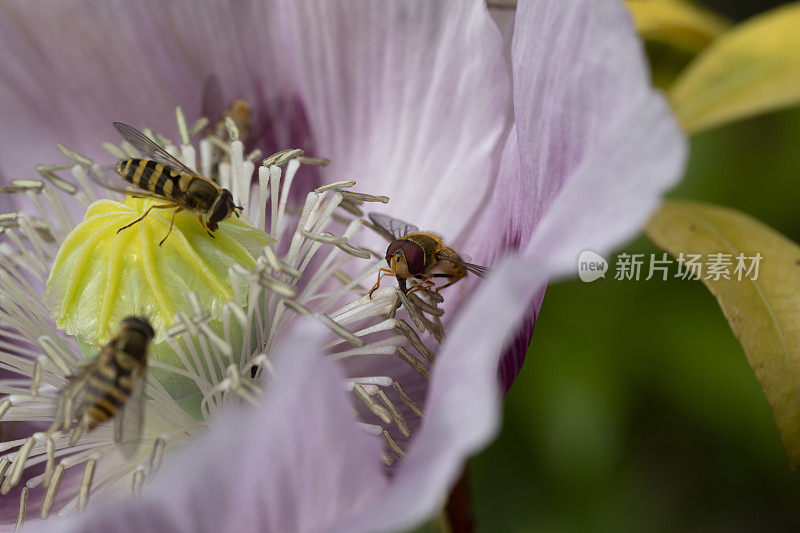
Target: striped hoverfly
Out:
[421,255]
[110,386]
[159,175]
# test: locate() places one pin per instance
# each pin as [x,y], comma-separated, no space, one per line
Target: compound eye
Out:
[393,247]
[415,257]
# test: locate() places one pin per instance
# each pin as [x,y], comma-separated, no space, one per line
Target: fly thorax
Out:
[203,194]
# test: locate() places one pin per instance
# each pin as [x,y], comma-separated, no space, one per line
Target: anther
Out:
[351,207]
[413,362]
[335,185]
[56,356]
[52,489]
[365,197]
[75,156]
[86,483]
[37,377]
[23,508]
[48,172]
[399,420]
[9,220]
[413,312]
[114,150]
[393,444]
[51,458]
[339,330]
[424,306]
[4,466]
[18,467]
[403,327]
[198,126]
[255,154]
[138,481]
[407,399]
[281,158]
[23,186]
[183,130]
[316,161]
[157,455]
[233,131]
[5,405]
[376,409]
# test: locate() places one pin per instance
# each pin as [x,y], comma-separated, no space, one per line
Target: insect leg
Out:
[202,223]
[453,278]
[145,214]
[171,222]
[381,273]
[425,283]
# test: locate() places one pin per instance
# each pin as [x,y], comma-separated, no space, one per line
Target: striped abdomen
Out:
[154,177]
[108,387]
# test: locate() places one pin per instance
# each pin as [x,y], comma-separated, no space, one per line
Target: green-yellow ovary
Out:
[100,276]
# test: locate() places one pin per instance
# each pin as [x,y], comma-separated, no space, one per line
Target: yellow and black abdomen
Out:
[107,389]
[151,176]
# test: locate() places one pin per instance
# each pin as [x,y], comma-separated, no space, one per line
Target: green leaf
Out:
[754,68]
[764,314]
[676,22]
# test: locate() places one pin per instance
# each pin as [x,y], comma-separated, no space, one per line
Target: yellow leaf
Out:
[752,69]
[676,22]
[763,313]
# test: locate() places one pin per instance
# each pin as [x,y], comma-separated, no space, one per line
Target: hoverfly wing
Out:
[393,228]
[108,178]
[464,262]
[478,270]
[149,149]
[71,401]
[129,421]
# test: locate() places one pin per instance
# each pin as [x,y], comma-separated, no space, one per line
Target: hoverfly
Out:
[161,176]
[419,254]
[110,386]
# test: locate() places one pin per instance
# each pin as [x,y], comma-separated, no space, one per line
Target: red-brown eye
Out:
[415,257]
[393,247]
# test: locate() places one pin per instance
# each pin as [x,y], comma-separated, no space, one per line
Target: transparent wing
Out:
[393,228]
[129,420]
[108,178]
[478,270]
[463,261]
[149,149]
[71,402]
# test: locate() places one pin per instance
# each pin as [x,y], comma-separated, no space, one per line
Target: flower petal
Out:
[409,98]
[296,462]
[593,150]
[593,146]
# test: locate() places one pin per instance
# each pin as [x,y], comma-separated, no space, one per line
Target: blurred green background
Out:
[636,409]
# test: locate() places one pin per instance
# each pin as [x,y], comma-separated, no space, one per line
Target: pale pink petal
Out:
[593,146]
[410,98]
[596,149]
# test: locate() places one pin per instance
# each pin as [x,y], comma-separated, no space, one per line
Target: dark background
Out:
[636,409]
